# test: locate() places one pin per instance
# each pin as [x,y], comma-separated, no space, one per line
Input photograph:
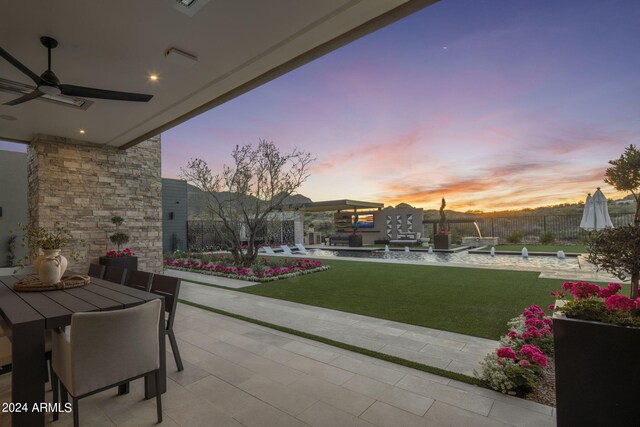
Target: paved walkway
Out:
[240,374]
[441,349]
[207,278]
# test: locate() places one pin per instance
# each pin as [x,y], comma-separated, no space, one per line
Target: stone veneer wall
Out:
[83,185]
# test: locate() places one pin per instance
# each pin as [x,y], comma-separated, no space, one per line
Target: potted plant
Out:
[125,258]
[596,345]
[45,248]
[442,239]
[355,239]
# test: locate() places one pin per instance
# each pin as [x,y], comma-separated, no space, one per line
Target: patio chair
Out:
[286,249]
[97,271]
[301,248]
[268,250]
[104,350]
[116,274]
[140,280]
[169,288]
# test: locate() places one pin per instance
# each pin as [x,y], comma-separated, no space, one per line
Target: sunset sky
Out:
[492,104]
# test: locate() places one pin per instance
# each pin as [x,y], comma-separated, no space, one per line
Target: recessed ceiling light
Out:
[82,131]
[153,77]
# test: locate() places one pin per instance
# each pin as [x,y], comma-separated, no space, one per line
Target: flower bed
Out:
[519,363]
[265,270]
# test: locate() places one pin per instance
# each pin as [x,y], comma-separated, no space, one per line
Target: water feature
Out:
[493,251]
[525,253]
[535,263]
[561,255]
[406,249]
[386,248]
[430,251]
[477,228]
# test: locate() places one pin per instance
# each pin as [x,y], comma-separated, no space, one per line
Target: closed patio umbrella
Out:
[596,213]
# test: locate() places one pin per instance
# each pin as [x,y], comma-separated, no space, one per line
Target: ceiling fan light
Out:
[49,90]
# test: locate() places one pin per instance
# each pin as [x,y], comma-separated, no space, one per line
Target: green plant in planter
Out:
[40,238]
[617,251]
[118,237]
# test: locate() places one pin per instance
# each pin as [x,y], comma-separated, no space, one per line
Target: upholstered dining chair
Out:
[169,288]
[106,349]
[140,280]
[96,270]
[115,274]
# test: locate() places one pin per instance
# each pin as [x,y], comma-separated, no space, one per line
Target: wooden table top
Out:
[54,308]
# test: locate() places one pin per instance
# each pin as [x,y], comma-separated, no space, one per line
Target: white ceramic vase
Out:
[50,266]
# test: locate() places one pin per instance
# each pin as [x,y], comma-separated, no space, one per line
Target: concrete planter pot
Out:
[596,373]
[442,241]
[128,262]
[355,241]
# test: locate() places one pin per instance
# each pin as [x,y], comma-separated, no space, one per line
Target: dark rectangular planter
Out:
[128,262]
[355,241]
[442,241]
[597,373]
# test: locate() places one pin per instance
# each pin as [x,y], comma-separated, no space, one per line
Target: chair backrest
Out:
[169,288]
[286,249]
[140,280]
[111,346]
[301,248]
[115,274]
[96,270]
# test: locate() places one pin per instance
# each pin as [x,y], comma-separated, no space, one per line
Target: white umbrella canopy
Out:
[596,213]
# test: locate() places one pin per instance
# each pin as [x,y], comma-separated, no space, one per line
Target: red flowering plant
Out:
[120,254]
[595,303]
[516,366]
[263,270]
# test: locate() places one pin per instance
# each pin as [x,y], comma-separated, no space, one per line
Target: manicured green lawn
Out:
[543,248]
[475,302]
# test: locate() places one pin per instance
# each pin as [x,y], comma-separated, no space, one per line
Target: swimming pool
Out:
[463,257]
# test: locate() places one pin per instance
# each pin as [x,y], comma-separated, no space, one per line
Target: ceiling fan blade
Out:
[89,92]
[20,66]
[28,97]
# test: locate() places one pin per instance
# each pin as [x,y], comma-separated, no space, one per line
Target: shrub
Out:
[547,237]
[523,354]
[515,237]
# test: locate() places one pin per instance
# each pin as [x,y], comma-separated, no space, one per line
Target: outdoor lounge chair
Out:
[301,248]
[286,249]
[268,250]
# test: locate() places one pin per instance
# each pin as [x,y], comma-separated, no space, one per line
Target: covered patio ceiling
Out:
[117,45]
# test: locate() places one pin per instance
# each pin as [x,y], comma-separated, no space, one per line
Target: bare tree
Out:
[243,195]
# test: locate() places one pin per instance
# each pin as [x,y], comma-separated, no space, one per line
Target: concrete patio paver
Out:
[237,387]
[441,349]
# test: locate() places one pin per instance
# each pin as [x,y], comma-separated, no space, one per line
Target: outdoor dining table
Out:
[27,315]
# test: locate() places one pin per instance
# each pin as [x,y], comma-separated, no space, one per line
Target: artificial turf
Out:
[543,248]
[470,301]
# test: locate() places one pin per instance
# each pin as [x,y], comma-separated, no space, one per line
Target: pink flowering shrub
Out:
[603,304]
[264,270]
[524,352]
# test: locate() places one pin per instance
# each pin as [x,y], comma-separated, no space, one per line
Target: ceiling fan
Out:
[48,83]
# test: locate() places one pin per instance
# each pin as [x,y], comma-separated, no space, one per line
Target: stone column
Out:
[83,185]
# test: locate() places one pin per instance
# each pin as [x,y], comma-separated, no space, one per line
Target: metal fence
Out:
[531,227]
[209,235]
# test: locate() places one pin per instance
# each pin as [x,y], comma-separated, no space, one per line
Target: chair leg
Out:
[176,352]
[158,396]
[64,394]
[123,389]
[54,387]
[76,415]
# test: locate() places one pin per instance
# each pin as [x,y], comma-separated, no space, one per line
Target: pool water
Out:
[531,263]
